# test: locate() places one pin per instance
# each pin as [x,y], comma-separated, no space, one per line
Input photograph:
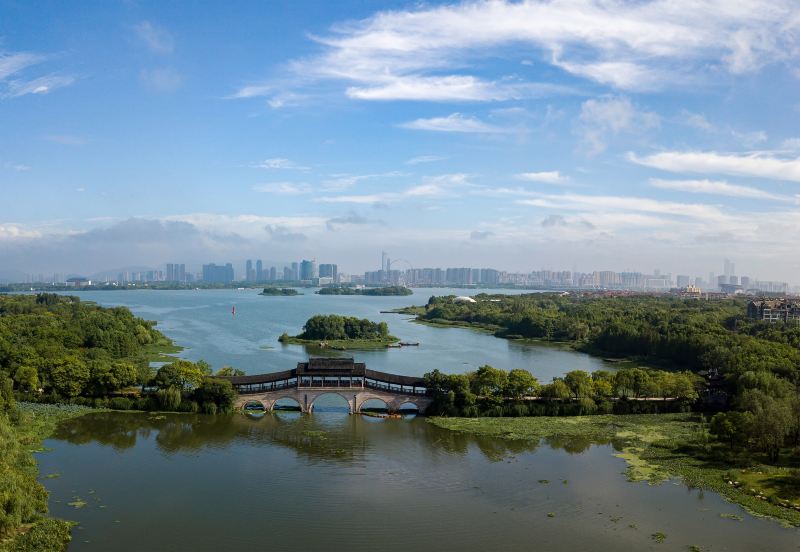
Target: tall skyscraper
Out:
[729,268]
[383,261]
[249,273]
[295,271]
[218,273]
[273,273]
[260,270]
[171,272]
[308,270]
[287,274]
[328,271]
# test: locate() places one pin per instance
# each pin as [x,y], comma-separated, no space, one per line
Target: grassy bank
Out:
[24,498]
[342,344]
[657,447]
[162,351]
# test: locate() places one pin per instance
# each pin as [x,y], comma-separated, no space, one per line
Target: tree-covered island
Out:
[276,291]
[371,292]
[336,332]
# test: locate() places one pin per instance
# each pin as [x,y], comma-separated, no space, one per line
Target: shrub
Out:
[209,408]
[120,403]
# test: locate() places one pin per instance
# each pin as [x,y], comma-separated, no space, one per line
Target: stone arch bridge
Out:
[351,380]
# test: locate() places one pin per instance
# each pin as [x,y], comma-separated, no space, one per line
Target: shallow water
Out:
[330,481]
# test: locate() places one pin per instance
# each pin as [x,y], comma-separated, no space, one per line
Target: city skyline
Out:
[574,133]
[309,271]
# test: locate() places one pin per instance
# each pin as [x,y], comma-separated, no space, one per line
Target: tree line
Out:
[757,363]
[490,391]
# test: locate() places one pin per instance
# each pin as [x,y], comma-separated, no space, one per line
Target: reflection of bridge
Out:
[340,376]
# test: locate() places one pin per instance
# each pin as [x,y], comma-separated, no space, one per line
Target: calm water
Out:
[202,322]
[335,482]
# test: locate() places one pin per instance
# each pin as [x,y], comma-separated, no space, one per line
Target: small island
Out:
[279,291]
[381,291]
[341,333]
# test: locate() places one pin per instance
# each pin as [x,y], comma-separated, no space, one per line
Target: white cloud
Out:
[17,167]
[283,188]
[425,159]
[445,185]
[605,117]
[421,53]
[716,187]
[791,144]
[754,164]
[66,139]
[547,177]
[162,80]
[697,120]
[12,64]
[455,122]
[279,163]
[156,38]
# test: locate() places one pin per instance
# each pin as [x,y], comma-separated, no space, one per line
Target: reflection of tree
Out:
[176,433]
[319,438]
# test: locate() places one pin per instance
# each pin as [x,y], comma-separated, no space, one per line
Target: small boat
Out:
[233,311]
[409,344]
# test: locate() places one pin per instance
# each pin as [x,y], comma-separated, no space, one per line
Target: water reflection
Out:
[334,436]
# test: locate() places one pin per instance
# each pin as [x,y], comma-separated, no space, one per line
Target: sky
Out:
[561,134]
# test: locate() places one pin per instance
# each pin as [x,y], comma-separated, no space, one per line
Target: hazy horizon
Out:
[580,134]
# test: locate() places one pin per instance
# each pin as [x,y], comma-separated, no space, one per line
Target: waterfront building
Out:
[260,271]
[328,271]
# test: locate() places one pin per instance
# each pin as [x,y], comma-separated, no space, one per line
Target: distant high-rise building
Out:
[217,273]
[273,273]
[733,280]
[328,271]
[249,272]
[295,271]
[683,281]
[384,259]
[171,272]
[288,275]
[308,270]
[729,268]
[260,270]
[745,282]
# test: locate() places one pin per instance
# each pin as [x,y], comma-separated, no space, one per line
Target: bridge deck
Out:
[340,373]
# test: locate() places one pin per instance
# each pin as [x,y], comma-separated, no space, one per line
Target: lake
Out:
[201,321]
[330,481]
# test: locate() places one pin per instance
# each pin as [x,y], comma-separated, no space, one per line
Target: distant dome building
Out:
[464,299]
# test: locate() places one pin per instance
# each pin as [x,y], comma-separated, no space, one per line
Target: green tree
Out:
[68,376]
[216,391]
[731,427]
[489,381]
[556,390]
[181,373]
[521,383]
[228,371]
[27,378]
[579,383]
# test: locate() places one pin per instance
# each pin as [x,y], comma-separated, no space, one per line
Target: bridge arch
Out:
[283,406]
[255,405]
[366,398]
[348,400]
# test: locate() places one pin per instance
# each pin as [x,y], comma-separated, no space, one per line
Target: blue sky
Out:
[566,134]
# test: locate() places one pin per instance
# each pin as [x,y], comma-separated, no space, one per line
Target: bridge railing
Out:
[393,388]
[245,389]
